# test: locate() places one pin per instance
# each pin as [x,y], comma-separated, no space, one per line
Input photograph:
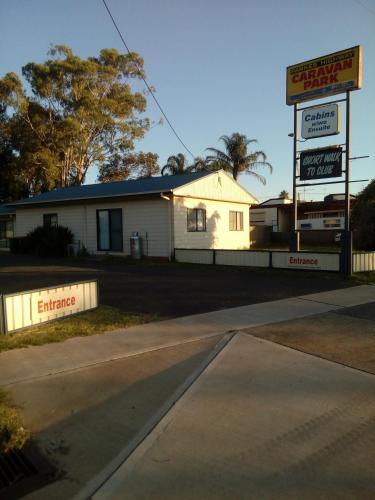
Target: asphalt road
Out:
[168,290]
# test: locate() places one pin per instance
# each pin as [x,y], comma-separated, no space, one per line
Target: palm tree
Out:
[176,164]
[200,165]
[237,159]
[284,194]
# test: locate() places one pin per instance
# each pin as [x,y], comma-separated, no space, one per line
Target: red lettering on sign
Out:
[303,261]
[333,78]
[324,75]
[311,74]
[52,305]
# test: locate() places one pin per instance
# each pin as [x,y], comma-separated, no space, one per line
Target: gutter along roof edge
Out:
[83,198]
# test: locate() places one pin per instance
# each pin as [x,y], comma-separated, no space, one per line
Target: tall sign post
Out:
[332,74]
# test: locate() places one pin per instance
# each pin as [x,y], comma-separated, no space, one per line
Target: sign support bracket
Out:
[294,243]
[347,241]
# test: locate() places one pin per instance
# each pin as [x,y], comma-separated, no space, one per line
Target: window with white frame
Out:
[196,220]
[109,229]
[50,220]
[235,221]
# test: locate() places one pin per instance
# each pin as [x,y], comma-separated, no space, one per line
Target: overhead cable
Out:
[147,85]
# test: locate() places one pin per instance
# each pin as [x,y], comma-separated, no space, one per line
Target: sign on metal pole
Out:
[324,76]
[321,163]
[320,121]
[318,78]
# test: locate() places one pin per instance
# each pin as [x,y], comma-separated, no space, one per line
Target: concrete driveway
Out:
[263,421]
[256,421]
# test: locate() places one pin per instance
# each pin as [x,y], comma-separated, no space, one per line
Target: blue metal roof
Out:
[114,189]
[4,210]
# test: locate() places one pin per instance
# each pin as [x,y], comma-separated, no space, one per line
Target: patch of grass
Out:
[102,319]
[364,278]
[12,433]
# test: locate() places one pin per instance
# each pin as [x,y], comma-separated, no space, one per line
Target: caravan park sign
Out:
[320,163]
[324,76]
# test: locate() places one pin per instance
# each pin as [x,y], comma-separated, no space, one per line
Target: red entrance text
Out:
[303,261]
[53,305]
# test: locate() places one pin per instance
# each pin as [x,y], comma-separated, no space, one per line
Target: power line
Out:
[365,7]
[147,85]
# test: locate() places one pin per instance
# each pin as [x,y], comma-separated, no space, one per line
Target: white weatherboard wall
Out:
[217,186]
[318,223]
[268,215]
[217,234]
[72,216]
[218,194]
[150,218]
[38,306]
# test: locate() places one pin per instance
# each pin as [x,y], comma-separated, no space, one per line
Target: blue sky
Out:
[218,67]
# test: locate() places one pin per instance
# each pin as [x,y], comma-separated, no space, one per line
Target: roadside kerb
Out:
[20,365]
[98,481]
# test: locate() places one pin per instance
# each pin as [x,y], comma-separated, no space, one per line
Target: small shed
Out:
[193,210]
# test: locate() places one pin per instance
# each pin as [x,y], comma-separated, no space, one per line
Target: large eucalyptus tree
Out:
[73,113]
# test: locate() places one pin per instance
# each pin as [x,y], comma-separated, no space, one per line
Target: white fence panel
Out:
[194,256]
[242,258]
[363,261]
[316,261]
[38,306]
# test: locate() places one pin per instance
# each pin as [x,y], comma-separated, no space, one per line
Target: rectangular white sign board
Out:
[38,306]
[304,260]
[320,121]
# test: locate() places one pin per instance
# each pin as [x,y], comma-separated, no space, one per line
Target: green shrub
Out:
[17,245]
[49,241]
[363,218]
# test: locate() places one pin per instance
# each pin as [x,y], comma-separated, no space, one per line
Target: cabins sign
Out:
[320,121]
[321,163]
[324,76]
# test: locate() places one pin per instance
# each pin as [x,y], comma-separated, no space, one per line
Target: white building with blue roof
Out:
[195,210]
[7,218]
